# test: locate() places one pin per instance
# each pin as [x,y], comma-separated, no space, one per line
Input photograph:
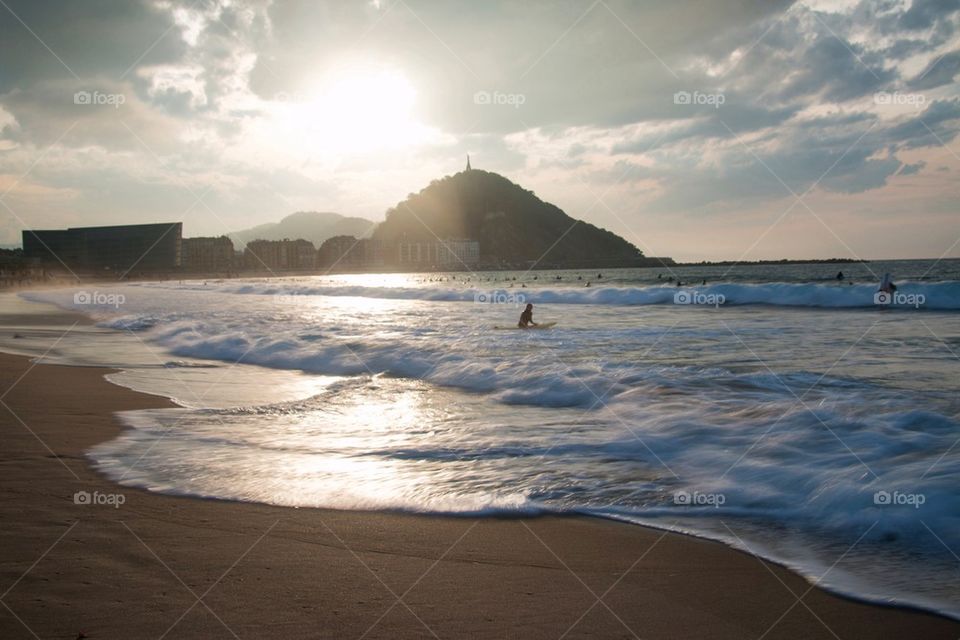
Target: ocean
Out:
[771,407]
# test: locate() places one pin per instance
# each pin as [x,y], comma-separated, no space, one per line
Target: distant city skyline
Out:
[732,130]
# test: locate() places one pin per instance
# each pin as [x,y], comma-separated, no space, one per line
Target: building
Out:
[337,253]
[440,254]
[280,255]
[346,253]
[371,253]
[14,272]
[120,249]
[303,255]
[208,254]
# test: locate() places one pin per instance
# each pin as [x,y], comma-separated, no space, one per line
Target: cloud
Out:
[940,72]
[925,14]
[95,112]
[928,129]
[63,39]
[911,169]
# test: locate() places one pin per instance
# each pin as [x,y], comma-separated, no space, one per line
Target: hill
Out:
[314,226]
[513,225]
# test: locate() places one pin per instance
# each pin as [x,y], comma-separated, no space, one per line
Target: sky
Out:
[721,130]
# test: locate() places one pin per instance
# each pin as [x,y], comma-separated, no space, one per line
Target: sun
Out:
[355,109]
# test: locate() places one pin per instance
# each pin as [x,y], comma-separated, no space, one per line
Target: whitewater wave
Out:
[800,496]
[920,295]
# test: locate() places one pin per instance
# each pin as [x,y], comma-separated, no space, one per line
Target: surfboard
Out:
[542,325]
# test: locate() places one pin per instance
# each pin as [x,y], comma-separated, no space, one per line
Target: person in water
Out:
[526,318]
[886,285]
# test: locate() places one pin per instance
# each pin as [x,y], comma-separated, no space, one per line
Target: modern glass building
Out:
[119,249]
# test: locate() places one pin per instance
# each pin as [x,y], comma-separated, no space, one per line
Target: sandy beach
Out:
[149,566]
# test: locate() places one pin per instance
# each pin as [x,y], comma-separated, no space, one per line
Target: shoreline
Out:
[534,574]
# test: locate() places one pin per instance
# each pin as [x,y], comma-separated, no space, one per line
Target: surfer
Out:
[526,318]
[886,285]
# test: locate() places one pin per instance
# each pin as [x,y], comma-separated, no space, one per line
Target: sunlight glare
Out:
[355,110]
